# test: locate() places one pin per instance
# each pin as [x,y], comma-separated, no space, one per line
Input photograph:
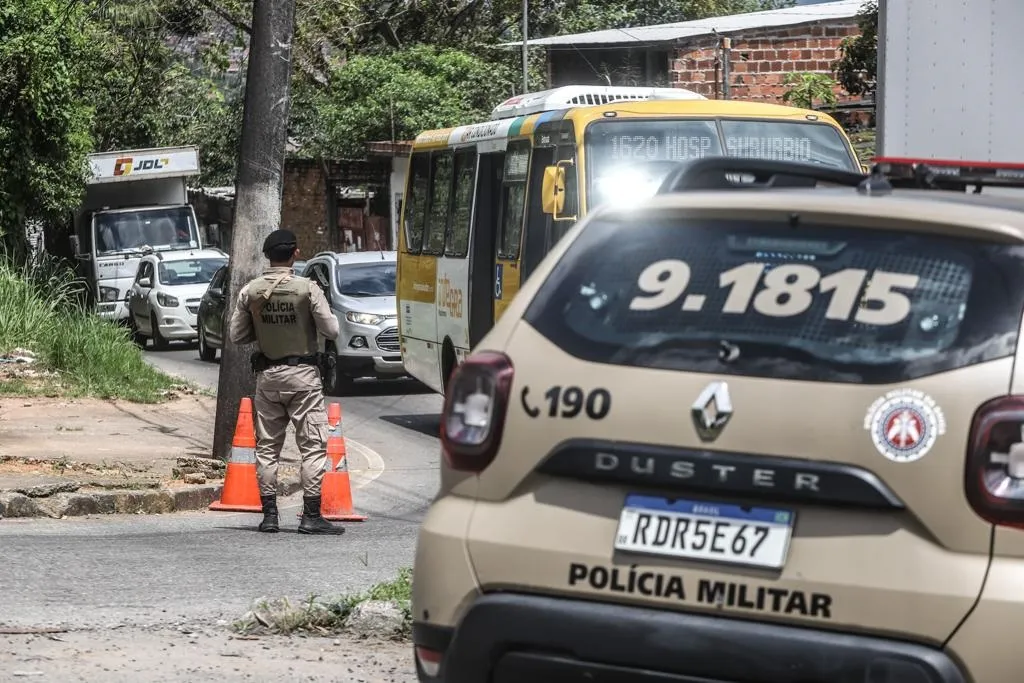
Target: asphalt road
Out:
[148,570]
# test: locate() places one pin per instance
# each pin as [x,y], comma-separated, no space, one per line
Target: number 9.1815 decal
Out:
[788,290]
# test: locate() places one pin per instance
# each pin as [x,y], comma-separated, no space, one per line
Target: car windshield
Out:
[122,231]
[838,303]
[628,159]
[367,279]
[189,272]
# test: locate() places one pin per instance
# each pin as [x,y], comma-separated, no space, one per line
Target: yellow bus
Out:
[483,203]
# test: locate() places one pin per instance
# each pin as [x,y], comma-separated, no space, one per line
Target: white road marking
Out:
[375,464]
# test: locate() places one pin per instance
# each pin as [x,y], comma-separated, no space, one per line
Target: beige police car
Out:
[772,438]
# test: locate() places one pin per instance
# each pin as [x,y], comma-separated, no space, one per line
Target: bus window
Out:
[513,203]
[458,237]
[440,203]
[415,202]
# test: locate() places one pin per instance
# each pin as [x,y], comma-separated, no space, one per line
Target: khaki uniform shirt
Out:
[284,377]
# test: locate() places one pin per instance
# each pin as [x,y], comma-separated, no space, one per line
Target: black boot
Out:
[312,522]
[269,523]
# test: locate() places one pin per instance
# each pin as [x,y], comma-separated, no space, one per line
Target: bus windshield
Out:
[164,227]
[628,159]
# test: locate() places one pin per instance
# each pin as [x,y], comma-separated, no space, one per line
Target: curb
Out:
[14,504]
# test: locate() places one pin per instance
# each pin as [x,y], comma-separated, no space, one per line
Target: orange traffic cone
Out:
[336,490]
[241,492]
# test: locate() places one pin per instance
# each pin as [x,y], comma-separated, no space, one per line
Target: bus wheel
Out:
[447,364]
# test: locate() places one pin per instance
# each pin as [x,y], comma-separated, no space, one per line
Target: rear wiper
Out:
[726,351]
[704,348]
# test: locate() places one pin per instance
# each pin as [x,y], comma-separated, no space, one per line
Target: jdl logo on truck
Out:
[126,165]
[449,298]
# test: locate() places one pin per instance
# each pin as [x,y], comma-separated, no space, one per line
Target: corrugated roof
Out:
[801,14]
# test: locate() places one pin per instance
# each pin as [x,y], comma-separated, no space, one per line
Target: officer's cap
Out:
[279,238]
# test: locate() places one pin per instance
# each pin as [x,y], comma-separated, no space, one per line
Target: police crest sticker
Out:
[904,424]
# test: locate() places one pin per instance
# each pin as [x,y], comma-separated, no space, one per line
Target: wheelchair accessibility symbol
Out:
[498,271]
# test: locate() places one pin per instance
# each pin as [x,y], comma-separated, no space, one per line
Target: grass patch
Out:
[78,353]
[326,616]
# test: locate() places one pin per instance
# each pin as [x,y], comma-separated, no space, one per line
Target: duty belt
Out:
[260,362]
[293,361]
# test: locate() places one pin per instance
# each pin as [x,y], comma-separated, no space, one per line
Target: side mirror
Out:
[145,282]
[553,191]
[76,247]
[217,292]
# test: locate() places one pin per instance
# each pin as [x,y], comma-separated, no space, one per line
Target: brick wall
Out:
[304,205]
[759,61]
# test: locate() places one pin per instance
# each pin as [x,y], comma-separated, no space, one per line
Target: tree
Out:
[394,97]
[857,67]
[146,93]
[804,89]
[44,122]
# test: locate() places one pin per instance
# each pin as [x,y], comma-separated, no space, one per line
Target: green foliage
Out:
[40,310]
[805,89]
[44,124]
[146,94]
[857,66]
[395,96]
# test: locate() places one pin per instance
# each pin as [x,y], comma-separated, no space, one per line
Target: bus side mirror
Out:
[553,191]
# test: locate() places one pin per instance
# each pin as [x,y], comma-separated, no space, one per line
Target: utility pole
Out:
[258,190]
[526,48]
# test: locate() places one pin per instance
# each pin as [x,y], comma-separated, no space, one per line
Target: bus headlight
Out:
[108,294]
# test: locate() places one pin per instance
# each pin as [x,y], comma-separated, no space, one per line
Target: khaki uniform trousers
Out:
[284,395]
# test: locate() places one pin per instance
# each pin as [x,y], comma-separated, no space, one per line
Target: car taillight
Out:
[994,477]
[475,409]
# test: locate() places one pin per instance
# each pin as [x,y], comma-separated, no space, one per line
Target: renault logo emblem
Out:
[711,411]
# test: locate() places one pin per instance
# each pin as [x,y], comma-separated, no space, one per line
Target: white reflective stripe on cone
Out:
[245,456]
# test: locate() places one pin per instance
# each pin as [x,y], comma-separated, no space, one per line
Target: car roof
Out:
[347,257]
[988,217]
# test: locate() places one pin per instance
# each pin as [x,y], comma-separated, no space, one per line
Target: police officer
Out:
[282,313]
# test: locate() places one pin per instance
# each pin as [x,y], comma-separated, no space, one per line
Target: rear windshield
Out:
[760,298]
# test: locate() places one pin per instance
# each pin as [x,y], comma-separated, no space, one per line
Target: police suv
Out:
[771,436]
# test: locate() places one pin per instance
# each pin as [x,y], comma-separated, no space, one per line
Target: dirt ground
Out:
[183,655]
[47,441]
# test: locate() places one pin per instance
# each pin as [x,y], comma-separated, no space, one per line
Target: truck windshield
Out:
[121,231]
[628,159]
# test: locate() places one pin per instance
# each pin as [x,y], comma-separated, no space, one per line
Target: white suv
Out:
[164,298]
[360,287]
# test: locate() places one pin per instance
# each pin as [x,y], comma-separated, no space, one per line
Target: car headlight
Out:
[166,300]
[108,294]
[364,318]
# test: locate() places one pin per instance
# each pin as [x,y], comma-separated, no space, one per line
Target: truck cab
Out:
[135,201]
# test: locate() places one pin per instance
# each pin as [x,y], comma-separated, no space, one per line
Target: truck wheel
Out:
[159,343]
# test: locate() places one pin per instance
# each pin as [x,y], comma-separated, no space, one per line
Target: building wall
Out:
[760,60]
[304,205]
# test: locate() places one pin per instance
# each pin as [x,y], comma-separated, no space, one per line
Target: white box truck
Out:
[136,200]
[948,82]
